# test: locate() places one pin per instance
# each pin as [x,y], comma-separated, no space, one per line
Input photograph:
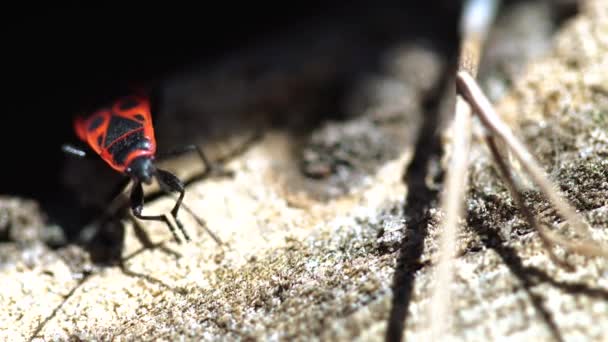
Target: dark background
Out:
[59,61]
[62,60]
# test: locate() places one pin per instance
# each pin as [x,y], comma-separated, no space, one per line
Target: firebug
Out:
[122,134]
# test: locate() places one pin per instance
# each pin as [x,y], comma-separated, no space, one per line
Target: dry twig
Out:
[469,89]
[476,20]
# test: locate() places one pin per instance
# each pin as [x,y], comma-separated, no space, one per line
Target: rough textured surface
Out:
[304,262]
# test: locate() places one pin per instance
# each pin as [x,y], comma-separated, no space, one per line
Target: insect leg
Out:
[210,168]
[115,200]
[119,188]
[170,183]
[137,205]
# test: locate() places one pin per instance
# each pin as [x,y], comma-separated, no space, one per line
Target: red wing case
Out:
[120,133]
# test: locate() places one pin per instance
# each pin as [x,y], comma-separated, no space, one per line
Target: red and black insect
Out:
[123,136]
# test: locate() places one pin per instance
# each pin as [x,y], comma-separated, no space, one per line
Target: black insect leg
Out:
[115,202]
[119,188]
[170,183]
[115,199]
[211,169]
[137,205]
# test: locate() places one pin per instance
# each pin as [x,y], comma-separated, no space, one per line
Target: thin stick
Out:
[519,200]
[469,89]
[586,247]
[452,204]
[476,20]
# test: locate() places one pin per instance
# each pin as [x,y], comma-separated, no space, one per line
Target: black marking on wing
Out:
[118,127]
[97,121]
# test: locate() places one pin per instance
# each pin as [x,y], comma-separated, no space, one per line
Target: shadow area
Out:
[106,250]
[422,195]
[530,277]
[147,244]
[36,333]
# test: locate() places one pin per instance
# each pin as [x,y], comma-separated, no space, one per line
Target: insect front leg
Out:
[137,205]
[211,169]
[170,183]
